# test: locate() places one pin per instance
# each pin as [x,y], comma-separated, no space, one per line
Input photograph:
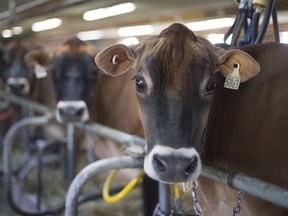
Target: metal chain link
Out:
[193,186]
[237,207]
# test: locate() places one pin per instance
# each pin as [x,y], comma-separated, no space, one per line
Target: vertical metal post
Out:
[164,198]
[70,152]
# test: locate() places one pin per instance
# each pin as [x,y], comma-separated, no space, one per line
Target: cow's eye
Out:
[140,85]
[211,85]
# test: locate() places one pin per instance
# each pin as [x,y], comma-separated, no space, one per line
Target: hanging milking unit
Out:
[248,21]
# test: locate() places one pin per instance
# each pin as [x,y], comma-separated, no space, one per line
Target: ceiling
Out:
[26,12]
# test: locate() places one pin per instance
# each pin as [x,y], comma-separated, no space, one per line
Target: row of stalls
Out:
[61,174]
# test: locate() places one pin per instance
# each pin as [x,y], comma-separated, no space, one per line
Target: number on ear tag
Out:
[40,71]
[233,80]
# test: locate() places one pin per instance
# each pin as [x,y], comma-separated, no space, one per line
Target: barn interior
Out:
[48,23]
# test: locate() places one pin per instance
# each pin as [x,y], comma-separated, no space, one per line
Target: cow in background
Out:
[24,73]
[185,110]
[83,94]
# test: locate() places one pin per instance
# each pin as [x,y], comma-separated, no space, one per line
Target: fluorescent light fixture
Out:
[17,30]
[115,10]
[135,30]
[90,35]
[7,33]
[284,37]
[46,24]
[210,24]
[129,41]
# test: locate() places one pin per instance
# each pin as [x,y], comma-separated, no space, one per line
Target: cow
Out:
[84,94]
[24,73]
[191,111]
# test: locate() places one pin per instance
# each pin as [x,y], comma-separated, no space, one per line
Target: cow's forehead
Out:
[175,53]
[75,47]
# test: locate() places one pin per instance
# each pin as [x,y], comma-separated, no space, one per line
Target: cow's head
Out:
[175,81]
[75,74]
[15,70]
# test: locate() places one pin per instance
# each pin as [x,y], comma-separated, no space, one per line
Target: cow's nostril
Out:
[80,112]
[17,86]
[159,164]
[61,112]
[192,166]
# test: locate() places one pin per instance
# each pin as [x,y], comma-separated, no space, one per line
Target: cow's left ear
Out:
[248,66]
[38,56]
[115,60]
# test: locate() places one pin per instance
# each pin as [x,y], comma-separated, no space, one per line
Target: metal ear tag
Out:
[233,80]
[40,71]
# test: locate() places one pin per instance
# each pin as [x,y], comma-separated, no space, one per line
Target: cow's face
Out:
[175,81]
[14,69]
[75,74]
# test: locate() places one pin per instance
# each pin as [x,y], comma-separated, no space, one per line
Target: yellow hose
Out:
[176,190]
[124,192]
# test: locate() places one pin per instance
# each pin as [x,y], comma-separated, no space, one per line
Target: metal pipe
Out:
[113,134]
[35,106]
[164,198]
[239,181]
[22,8]
[91,170]
[7,145]
[70,152]
[274,194]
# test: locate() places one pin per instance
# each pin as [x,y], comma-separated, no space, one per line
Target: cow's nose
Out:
[17,87]
[72,111]
[174,166]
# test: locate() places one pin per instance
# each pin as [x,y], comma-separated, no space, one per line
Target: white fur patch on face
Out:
[168,151]
[73,104]
[148,81]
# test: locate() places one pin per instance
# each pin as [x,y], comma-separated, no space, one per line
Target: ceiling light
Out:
[210,24]
[7,33]
[135,31]
[46,24]
[90,35]
[129,41]
[109,11]
[17,30]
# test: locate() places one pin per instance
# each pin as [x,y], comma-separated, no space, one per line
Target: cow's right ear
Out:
[115,60]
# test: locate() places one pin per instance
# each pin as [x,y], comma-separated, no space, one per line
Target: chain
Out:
[237,207]
[196,204]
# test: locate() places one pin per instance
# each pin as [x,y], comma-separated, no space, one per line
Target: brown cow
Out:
[180,88]
[23,72]
[84,94]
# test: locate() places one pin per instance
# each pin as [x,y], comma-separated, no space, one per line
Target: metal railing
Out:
[135,146]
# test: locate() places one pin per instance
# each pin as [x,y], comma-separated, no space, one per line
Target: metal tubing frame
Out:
[90,171]
[267,191]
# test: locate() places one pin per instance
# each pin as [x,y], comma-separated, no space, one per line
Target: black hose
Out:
[275,24]
[266,19]
[255,24]
[238,28]
[231,29]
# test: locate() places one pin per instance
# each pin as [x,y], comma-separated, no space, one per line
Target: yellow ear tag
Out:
[233,80]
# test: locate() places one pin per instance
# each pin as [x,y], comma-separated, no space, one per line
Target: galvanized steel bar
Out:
[113,134]
[90,171]
[239,181]
[255,187]
[37,107]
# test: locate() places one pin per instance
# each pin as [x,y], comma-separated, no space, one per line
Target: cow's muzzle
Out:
[72,111]
[18,85]
[173,165]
